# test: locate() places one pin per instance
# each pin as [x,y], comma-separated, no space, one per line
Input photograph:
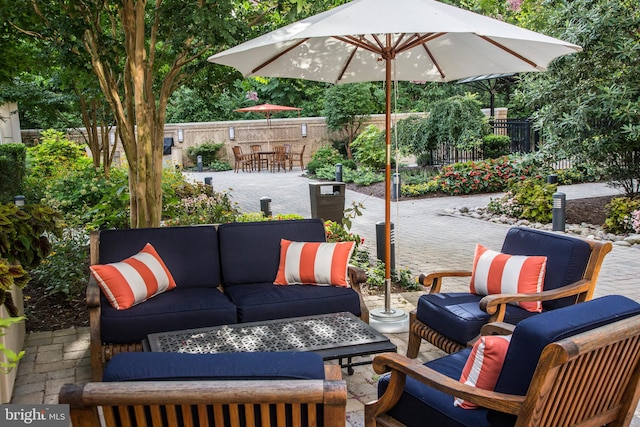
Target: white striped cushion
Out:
[483,365]
[133,280]
[498,273]
[314,263]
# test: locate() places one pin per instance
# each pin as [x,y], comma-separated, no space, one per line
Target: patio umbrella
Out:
[375,40]
[267,110]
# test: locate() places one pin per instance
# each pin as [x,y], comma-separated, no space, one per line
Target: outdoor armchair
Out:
[452,321]
[579,365]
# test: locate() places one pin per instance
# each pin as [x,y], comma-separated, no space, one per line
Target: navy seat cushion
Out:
[266,301]
[138,366]
[250,251]
[567,257]
[190,253]
[458,315]
[532,335]
[180,308]
[420,402]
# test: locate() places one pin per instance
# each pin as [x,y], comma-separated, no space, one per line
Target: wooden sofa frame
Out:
[171,401]
[496,304]
[101,352]
[589,379]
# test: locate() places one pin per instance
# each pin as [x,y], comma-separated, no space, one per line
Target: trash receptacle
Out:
[327,200]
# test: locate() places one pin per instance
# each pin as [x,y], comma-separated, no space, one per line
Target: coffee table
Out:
[333,336]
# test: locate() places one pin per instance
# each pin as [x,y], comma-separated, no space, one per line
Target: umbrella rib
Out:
[364,44]
[509,51]
[346,64]
[426,49]
[276,57]
[419,40]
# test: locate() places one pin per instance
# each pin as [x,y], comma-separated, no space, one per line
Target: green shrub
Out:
[55,155]
[66,269]
[530,199]
[369,148]
[12,170]
[217,208]
[364,176]
[494,146]
[209,152]
[219,166]
[259,217]
[325,156]
[619,217]
[420,189]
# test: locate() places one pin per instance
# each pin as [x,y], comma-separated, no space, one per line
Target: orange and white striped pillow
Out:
[483,365]
[314,263]
[498,273]
[135,279]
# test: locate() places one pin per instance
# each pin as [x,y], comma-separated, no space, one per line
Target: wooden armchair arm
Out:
[434,280]
[93,293]
[357,276]
[401,366]
[497,328]
[495,304]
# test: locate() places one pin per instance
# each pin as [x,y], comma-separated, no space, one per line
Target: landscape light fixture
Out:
[232,133]
[304,130]
[112,138]
[19,201]
[180,135]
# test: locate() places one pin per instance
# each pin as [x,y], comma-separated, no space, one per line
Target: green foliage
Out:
[259,217]
[204,209]
[347,106]
[421,188]
[457,121]
[363,176]
[412,136]
[325,156]
[209,152]
[494,146]
[11,356]
[619,219]
[66,268]
[77,192]
[219,166]
[55,155]
[12,170]
[369,148]
[588,103]
[23,245]
[530,199]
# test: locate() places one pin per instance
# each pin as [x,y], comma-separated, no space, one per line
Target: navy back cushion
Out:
[138,366]
[567,257]
[533,334]
[190,253]
[250,251]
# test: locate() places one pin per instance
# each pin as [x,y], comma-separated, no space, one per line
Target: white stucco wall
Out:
[9,123]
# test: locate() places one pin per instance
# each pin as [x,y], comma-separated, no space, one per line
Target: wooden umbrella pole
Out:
[387,183]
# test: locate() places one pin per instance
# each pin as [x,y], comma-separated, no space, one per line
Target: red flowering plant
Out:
[485,176]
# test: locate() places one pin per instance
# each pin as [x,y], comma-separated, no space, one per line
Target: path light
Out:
[19,201]
[265,206]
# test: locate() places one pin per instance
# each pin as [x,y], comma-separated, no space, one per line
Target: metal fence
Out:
[523,140]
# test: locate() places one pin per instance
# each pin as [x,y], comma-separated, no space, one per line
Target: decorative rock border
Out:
[584,230]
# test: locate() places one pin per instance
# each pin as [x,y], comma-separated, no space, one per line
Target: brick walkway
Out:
[426,239]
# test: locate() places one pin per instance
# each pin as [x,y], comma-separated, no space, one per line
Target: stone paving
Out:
[426,239]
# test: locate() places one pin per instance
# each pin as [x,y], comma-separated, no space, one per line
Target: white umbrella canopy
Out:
[373,40]
[430,41]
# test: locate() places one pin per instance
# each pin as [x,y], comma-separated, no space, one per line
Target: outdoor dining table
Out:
[263,154]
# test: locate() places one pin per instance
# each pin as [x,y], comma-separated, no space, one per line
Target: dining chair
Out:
[258,161]
[278,158]
[296,157]
[243,161]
